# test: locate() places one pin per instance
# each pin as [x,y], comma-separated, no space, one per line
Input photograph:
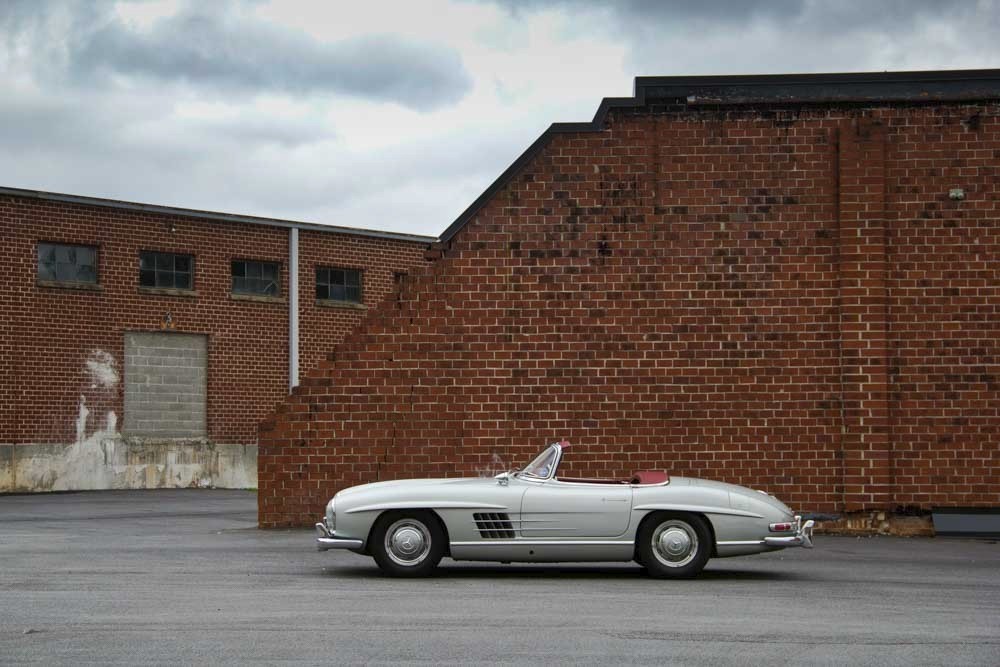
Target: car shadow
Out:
[561,572]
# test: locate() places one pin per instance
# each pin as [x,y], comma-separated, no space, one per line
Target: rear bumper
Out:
[325,540]
[801,538]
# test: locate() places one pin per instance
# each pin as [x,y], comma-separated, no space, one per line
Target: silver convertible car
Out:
[670,525]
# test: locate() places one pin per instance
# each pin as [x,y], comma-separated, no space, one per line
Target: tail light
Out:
[781,527]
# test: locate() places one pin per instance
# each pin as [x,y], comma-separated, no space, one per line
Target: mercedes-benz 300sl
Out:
[671,526]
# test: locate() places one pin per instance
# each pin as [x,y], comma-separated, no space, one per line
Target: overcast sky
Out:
[389,115]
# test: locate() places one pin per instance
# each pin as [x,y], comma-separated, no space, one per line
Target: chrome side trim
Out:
[550,528]
[704,509]
[530,520]
[427,504]
[543,543]
[741,543]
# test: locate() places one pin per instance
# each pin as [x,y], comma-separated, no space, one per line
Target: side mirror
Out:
[503,478]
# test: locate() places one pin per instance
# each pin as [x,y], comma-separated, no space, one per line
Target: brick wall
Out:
[48,334]
[778,296]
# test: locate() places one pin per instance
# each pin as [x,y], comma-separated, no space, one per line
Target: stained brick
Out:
[751,297]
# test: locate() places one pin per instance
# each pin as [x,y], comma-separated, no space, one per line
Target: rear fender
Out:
[654,514]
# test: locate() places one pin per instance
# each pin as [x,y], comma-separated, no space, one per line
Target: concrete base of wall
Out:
[126,463]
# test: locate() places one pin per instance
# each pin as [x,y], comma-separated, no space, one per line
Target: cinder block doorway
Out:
[165,385]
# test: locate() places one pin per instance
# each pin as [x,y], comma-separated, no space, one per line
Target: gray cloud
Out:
[850,35]
[837,15]
[220,47]
[130,147]
[719,11]
[96,103]
[678,37]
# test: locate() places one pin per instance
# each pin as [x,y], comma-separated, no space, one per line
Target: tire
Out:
[407,544]
[674,546]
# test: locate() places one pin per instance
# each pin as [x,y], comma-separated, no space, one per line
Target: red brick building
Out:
[141,345]
[789,282]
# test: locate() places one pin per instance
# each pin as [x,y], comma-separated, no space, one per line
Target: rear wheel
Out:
[674,546]
[407,544]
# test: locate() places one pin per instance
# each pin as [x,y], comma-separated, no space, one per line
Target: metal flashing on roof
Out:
[787,89]
[213,216]
[955,85]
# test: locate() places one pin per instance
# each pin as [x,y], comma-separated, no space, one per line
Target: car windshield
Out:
[543,465]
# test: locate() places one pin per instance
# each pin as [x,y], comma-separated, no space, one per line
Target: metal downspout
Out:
[293,308]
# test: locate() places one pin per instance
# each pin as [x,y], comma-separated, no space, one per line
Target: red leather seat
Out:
[649,477]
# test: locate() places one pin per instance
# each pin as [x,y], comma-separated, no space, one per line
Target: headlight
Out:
[331,515]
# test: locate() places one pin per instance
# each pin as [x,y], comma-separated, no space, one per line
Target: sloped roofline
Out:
[785,89]
[214,216]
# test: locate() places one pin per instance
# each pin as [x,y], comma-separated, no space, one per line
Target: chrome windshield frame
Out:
[557,448]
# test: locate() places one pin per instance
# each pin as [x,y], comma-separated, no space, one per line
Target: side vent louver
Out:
[494,526]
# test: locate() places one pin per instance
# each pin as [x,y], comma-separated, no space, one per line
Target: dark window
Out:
[62,263]
[165,269]
[338,284]
[250,277]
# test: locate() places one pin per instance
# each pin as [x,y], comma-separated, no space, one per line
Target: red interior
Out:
[638,477]
[649,477]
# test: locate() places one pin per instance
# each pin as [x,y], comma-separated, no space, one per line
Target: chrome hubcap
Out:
[675,543]
[407,542]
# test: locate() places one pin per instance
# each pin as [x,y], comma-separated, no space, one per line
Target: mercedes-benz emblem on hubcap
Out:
[407,542]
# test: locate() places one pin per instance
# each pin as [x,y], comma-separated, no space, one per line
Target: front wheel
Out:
[674,546]
[407,544]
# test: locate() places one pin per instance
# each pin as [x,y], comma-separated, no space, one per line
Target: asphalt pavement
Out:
[184,576]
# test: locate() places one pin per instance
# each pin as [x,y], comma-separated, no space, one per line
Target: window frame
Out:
[278,295]
[190,289]
[95,284]
[344,285]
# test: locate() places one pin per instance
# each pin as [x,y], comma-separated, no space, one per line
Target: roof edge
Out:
[213,215]
[911,86]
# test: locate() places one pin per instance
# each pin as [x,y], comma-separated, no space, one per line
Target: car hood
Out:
[417,483]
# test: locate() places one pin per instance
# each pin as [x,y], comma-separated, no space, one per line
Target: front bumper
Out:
[326,540]
[801,538]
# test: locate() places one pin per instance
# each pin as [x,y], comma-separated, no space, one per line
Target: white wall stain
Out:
[102,370]
[81,419]
[104,459]
[84,465]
